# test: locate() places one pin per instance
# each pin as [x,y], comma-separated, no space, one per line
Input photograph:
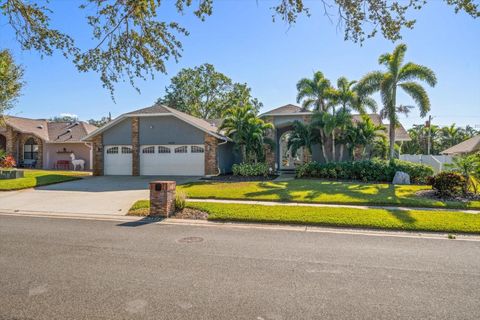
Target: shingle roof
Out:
[286,109]
[467,146]
[51,131]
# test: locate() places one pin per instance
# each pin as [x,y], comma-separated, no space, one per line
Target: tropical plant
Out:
[314,93]
[304,135]
[347,96]
[368,132]
[398,76]
[247,131]
[7,161]
[468,166]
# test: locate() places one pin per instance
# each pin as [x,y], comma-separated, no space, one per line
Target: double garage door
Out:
[174,160]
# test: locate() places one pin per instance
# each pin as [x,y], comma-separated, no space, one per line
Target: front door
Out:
[287,161]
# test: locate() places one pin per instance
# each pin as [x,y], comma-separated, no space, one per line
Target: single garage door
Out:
[118,160]
[173,160]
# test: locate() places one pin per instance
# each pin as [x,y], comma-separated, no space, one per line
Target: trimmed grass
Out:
[319,191]
[411,220]
[35,178]
[140,208]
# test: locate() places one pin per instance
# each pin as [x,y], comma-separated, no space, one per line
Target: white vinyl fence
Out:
[436,162]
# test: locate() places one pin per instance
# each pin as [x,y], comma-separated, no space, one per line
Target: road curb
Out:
[243,225]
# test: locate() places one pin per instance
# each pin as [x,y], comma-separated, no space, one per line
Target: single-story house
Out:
[42,143]
[283,117]
[468,146]
[160,140]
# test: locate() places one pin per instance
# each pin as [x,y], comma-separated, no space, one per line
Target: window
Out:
[148,150]
[162,149]
[197,149]
[30,150]
[182,149]
[126,150]
[112,150]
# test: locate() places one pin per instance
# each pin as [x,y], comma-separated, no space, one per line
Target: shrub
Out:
[251,170]
[448,184]
[365,170]
[7,162]
[180,200]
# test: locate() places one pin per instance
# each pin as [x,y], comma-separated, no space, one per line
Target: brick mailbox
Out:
[162,198]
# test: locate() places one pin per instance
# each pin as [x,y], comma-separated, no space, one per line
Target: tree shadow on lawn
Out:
[402,215]
[274,191]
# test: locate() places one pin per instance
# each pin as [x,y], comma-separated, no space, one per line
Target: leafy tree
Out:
[131,40]
[100,123]
[452,135]
[11,81]
[64,118]
[304,135]
[398,76]
[206,93]
[247,131]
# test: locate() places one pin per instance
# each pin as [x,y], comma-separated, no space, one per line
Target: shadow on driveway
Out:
[113,183]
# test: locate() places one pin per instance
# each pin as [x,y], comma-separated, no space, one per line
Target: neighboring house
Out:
[160,141]
[468,146]
[43,143]
[283,117]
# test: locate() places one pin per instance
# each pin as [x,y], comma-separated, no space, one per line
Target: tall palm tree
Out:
[451,135]
[347,96]
[314,93]
[398,76]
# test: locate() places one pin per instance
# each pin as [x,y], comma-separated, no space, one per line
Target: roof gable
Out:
[467,146]
[286,110]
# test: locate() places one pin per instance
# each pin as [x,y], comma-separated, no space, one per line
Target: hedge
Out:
[365,170]
[251,170]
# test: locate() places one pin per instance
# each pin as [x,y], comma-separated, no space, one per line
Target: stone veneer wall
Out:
[11,139]
[269,151]
[211,163]
[135,147]
[97,145]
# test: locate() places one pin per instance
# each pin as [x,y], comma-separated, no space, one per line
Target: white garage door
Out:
[118,160]
[174,160]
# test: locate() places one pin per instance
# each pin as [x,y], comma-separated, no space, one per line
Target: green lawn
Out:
[35,178]
[304,190]
[445,221]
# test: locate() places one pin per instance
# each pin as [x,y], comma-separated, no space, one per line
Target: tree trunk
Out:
[324,153]
[333,146]
[392,123]
[340,156]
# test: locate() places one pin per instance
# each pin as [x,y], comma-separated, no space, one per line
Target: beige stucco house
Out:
[42,143]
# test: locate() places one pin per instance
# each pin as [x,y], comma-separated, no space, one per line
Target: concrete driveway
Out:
[91,195]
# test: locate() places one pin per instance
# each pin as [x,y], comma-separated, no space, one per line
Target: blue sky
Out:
[241,40]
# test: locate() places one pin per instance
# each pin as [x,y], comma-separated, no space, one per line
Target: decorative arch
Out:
[287,161]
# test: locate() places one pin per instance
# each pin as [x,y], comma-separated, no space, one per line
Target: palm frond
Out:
[419,95]
[412,71]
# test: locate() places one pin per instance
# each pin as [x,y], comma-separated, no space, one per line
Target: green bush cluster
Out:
[365,170]
[448,184]
[180,200]
[251,170]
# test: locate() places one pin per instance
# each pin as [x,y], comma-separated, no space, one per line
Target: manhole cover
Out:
[190,239]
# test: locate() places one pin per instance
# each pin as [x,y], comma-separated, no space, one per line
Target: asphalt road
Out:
[77,269]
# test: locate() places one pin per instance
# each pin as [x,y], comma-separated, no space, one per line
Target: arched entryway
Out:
[287,161]
[3,142]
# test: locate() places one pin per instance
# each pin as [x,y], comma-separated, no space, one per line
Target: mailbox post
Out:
[162,198]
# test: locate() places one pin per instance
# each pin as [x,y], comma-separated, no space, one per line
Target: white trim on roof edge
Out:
[130,115]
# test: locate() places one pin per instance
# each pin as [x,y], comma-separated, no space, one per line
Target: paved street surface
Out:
[84,269]
[91,195]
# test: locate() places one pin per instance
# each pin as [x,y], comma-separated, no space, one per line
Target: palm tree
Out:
[303,135]
[368,132]
[347,96]
[314,92]
[398,76]
[247,131]
[451,135]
